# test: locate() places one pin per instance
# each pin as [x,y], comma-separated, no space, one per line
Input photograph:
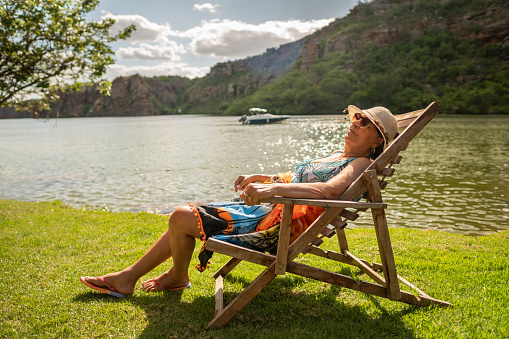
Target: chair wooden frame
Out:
[385,277]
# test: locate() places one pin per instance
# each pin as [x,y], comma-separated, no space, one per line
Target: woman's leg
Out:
[183,230]
[178,241]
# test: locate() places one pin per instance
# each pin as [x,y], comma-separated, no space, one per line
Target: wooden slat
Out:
[349,215]
[230,265]
[328,232]
[324,203]
[317,241]
[387,172]
[409,284]
[240,252]
[386,254]
[396,160]
[284,239]
[341,258]
[326,254]
[339,223]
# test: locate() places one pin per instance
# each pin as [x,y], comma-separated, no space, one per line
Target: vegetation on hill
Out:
[465,76]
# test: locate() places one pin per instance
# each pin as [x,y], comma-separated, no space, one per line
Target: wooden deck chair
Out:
[385,277]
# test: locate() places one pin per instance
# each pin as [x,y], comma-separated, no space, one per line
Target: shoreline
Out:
[220,115]
[166,211]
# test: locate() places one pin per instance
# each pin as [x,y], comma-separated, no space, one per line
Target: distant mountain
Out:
[401,54]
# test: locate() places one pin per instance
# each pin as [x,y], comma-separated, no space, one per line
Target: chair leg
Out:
[224,316]
[386,254]
[284,239]
[383,237]
[218,295]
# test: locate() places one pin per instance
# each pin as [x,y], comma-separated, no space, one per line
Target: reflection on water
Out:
[454,175]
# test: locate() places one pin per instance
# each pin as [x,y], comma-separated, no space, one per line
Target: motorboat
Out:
[258,116]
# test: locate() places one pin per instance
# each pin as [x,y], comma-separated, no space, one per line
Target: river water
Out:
[454,176]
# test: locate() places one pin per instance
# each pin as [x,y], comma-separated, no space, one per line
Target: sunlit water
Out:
[454,175]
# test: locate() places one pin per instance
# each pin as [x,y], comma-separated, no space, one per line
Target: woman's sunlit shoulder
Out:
[361,162]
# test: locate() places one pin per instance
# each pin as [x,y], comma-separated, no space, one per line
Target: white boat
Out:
[259,116]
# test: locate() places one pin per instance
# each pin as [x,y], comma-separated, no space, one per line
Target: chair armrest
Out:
[325,203]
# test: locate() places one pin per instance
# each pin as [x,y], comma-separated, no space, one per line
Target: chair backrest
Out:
[412,123]
[409,124]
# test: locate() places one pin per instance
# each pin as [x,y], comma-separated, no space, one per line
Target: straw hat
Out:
[382,118]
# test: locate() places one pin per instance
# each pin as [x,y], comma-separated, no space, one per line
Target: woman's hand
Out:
[253,193]
[243,180]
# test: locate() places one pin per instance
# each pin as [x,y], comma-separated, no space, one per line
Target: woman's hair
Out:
[380,148]
[377,152]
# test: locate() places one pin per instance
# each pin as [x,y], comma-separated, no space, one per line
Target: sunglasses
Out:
[364,120]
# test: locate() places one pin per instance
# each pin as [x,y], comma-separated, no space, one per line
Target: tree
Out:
[45,46]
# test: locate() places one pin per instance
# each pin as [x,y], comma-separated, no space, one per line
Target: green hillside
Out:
[402,76]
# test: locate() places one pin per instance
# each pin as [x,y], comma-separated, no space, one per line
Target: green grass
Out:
[46,247]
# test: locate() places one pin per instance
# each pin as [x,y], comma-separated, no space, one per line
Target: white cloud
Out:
[164,50]
[206,7]
[227,38]
[163,69]
[216,38]
[220,39]
[150,39]
[145,29]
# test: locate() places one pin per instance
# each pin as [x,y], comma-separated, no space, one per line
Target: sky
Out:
[188,37]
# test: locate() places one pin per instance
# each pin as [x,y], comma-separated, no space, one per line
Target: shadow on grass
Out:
[283,309]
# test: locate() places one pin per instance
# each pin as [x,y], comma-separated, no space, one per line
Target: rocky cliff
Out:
[230,80]
[130,96]
[397,20]
[11,113]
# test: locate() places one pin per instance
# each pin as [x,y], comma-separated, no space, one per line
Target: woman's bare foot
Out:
[164,282]
[120,281]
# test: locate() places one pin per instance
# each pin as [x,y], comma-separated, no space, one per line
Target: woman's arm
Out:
[333,188]
[243,180]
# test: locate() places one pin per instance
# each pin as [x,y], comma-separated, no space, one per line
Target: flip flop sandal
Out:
[103,289]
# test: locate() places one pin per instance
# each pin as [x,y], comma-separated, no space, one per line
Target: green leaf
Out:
[45,42]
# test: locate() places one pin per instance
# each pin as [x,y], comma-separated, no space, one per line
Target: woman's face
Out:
[362,134]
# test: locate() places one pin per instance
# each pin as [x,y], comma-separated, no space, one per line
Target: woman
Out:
[249,224]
